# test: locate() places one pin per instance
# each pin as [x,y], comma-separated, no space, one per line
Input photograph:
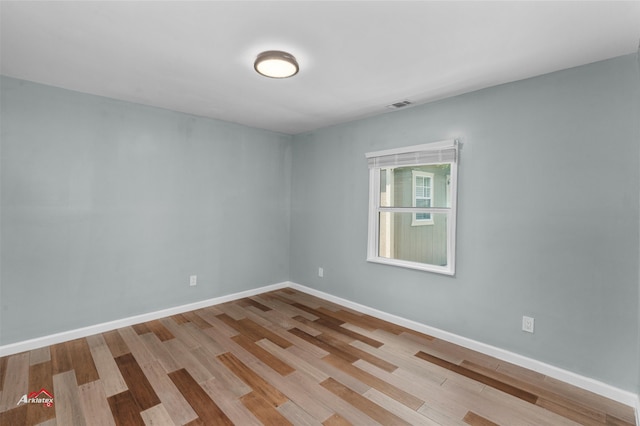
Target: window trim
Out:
[432,150]
[415,174]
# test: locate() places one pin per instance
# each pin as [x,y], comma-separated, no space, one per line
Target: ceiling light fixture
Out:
[276,64]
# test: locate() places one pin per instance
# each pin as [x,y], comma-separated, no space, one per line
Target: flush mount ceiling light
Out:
[276,64]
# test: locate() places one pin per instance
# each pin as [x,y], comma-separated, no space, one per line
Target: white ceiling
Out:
[355,57]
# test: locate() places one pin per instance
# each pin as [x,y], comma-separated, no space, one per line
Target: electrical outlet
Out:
[321,272]
[193,280]
[527,324]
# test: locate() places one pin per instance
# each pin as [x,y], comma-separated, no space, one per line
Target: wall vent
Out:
[400,104]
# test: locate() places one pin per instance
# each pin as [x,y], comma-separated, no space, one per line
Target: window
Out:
[408,188]
[422,190]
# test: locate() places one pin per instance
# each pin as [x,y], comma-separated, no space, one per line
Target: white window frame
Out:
[414,175]
[425,154]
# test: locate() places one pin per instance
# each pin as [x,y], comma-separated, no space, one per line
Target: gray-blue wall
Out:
[548,217]
[108,207]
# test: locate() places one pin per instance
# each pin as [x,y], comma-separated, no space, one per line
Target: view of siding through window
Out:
[416,237]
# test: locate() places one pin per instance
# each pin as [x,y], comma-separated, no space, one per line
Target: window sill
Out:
[444,270]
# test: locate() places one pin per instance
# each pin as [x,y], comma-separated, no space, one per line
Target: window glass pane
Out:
[398,239]
[399,189]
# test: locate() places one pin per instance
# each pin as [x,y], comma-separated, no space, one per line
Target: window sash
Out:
[422,193]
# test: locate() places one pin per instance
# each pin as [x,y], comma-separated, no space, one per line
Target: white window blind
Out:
[433,153]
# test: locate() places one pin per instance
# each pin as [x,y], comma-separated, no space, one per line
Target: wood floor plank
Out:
[82,361]
[14,416]
[297,362]
[301,395]
[37,356]
[289,385]
[584,397]
[206,409]
[60,358]
[570,414]
[136,346]
[179,319]
[363,404]
[159,330]
[451,349]
[407,363]
[284,305]
[196,320]
[220,373]
[263,410]
[327,319]
[251,302]
[331,371]
[40,377]
[255,331]
[529,397]
[334,403]
[336,420]
[614,421]
[112,380]
[328,337]
[328,322]
[230,403]
[257,383]
[16,381]
[297,415]
[502,408]
[95,405]
[141,328]
[138,384]
[3,370]
[342,331]
[555,402]
[211,317]
[297,341]
[272,361]
[258,316]
[173,402]
[154,345]
[476,420]
[67,399]
[116,344]
[283,322]
[398,409]
[232,310]
[351,318]
[157,416]
[406,382]
[371,380]
[186,360]
[186,339]
[204,340]
[124,409]
[321,341]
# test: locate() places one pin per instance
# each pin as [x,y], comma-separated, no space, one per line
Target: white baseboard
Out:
[27,345]
[608,391]
[600,388]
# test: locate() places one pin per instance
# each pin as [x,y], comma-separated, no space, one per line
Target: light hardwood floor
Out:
[281,358]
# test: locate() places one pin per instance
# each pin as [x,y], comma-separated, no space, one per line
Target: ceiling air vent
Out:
[400,104]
